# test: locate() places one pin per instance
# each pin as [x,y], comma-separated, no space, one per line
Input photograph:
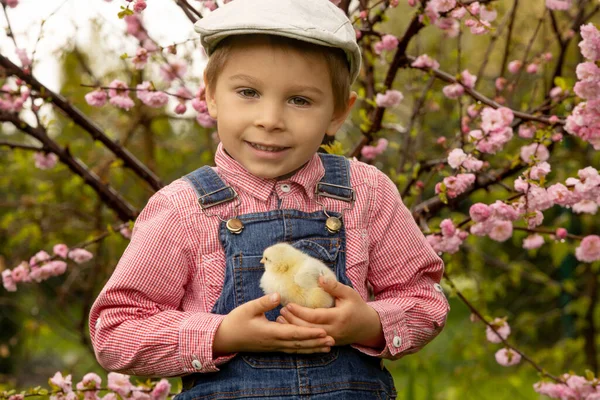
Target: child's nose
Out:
[270,116]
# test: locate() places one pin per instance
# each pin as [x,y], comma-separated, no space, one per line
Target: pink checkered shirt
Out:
[153,316]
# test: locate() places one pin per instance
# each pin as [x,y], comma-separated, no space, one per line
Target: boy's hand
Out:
[246,328]
[351,321]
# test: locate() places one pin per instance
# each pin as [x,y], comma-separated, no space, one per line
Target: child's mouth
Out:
[271,149]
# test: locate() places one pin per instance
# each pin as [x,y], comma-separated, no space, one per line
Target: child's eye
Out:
[300,101]
[247,92]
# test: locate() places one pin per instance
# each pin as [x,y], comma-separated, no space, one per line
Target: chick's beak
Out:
[262,260]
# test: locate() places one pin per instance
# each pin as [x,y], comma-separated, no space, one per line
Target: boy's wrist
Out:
[223,342]
[374,336]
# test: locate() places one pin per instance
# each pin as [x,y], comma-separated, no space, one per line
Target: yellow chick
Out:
[295,276]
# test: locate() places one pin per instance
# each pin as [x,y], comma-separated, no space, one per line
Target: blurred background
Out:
[550,299]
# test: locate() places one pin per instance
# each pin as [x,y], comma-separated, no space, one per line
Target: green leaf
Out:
[334,148]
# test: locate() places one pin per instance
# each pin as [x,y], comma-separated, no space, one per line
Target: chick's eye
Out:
[300,101]
[247,92]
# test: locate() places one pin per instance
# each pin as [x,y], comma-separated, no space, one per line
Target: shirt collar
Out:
[237,176]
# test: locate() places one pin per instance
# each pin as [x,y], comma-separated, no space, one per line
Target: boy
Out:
[185,297]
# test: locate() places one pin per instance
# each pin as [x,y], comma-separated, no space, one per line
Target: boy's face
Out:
[273,107]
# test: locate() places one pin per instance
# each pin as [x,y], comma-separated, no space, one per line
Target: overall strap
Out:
[209,187]
[336,182]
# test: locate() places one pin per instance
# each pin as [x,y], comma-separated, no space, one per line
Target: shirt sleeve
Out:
[136,323]
[405,273]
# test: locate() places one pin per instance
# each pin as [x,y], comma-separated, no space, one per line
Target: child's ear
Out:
[338,119]
[210,99]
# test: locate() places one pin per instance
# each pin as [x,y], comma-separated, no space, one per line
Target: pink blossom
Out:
[526,131]
[515,66]
[126,232]
[453,91]
[588,71]
[450,26]
[80,255]
[521,185]
[22,54]
[8,282]
[139,6]
[488,14]
[555,390]
[447,227]
[124,102]
[587,89]
[12,3]
[456,158]
[96,98]
[534,151]
[21,273]
[590,45]
[504,211]
[501,327]
[388,42]
[561,233]
[458,12]
[538,198]
[391,98]
[150,96]
[118,88]
[539,170]
[492,120]
[39,257]
[442,6]
[558,4]
[561,195]
[585,206]
[556,92]
[212,4]
[45,160]
[424,61]
[63,383]
[61,250]
[370,152]
[589,249]
[205,120]
[533,241]
[584,122]
[479,212]
[180,108]
[507,357]
[532,68]
[199,105]
[57,267]
[119,383]
[500,83]
[468,79]
[456,185]
[135,27]
[141,58]
[90,381]
[501,230]
[161,390]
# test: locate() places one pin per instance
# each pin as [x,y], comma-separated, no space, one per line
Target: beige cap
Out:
[314,21]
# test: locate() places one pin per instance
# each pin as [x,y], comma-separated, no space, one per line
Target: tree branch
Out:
[129,160]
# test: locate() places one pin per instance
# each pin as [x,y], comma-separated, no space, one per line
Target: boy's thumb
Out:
[268,302]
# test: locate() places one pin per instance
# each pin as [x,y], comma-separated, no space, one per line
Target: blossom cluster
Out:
[495,128]
[501,330]
[90,385]
[575,387]
[584,121]
[42,266]
[13,99]
[447,14]
[370,152]
[450,239]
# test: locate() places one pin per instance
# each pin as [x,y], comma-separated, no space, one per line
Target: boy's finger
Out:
[334,288]
[287,332]
[263,304]
[317,316]
[307,344]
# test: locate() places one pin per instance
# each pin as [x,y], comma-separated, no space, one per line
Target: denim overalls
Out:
[343,373]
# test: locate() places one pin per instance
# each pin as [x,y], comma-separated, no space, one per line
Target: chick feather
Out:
[295,276]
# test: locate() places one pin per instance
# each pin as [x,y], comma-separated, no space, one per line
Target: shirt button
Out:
[285,188]
[397,341]
[438,287]
[197,364]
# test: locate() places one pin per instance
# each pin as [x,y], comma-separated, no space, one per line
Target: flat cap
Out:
[315,21]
